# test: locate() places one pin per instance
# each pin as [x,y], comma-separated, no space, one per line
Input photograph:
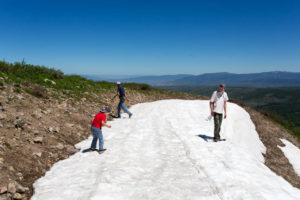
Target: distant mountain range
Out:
[158,80]
[265,79]
[151,80]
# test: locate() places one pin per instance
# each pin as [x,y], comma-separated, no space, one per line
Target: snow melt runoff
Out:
[165,151]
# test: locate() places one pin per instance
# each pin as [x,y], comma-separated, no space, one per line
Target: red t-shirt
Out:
[98,119]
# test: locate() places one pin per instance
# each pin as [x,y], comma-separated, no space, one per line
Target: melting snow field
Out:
[165,151]
[292,153]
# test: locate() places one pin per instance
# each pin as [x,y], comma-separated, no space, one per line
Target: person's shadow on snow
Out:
[205,137]
[85,150]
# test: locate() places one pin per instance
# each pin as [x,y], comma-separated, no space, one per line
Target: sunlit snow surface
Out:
[293,154]
[165,152]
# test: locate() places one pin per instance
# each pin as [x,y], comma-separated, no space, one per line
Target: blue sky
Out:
[152,37]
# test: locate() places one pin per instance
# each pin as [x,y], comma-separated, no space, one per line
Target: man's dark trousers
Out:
[218,121]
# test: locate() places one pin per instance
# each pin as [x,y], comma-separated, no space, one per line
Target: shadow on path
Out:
[86,150]
[207,138]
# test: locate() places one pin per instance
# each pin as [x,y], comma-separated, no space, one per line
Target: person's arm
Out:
[115,96]
[225,105]
[225,110]
[211,104]
[105,124]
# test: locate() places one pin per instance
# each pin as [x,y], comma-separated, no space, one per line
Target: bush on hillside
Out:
[38,91]
[23,70]
[28,76]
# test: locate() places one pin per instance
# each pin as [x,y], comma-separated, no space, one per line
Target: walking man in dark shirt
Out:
[122,97]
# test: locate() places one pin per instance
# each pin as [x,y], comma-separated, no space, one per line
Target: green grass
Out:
[7,145]
[35,79]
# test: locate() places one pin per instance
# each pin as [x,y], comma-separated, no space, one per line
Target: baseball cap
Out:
[105,109]
[118,82]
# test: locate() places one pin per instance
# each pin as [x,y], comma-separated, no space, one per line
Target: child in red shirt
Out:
[98,122]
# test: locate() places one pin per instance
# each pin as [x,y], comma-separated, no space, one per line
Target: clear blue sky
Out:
[152,36]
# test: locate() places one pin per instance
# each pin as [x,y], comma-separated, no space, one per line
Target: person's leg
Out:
[217,122]
[125,109]
[220,120]
[95,137]
[119,109]
[100,136]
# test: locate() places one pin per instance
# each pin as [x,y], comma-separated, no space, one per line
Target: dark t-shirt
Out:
[121,91]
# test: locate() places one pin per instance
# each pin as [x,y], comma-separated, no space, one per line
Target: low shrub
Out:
[38,91]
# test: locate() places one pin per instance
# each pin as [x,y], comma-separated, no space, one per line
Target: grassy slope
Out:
[37,79]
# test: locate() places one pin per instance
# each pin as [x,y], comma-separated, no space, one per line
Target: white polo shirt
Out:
[218,98]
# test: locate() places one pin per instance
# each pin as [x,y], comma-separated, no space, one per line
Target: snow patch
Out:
[165,151]
[292,153]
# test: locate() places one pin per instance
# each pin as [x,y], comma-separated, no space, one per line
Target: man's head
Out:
[105,110]
[222,87]
[118,83]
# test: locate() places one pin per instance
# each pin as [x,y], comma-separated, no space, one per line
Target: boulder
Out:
[69,125]
[63,105]
[21,189]
[37,153]
[60,146]
[3,190]
[18,196]
[50,81]
[11,168]
[1,108]
[20,97]
[57,129]
[37,114]
[38,139]
[20,122]
[6,196]
[71,149]
[12,188]
[2,116]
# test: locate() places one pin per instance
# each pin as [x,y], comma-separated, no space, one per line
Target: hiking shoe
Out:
[130,115]
[101,151]
[92,149]
[217,139]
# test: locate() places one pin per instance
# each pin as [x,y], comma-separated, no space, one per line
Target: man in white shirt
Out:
[217,105]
